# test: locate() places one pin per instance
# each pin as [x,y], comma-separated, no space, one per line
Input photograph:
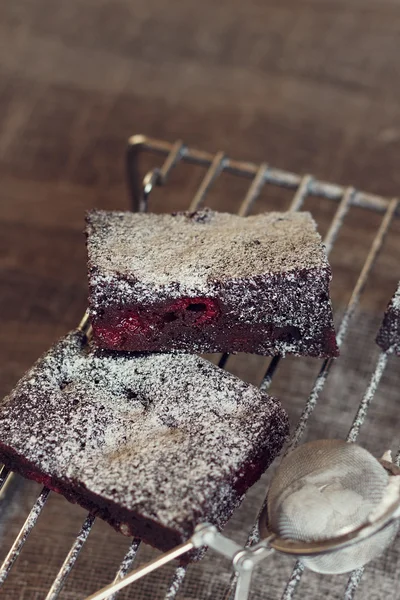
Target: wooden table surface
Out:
[309,86]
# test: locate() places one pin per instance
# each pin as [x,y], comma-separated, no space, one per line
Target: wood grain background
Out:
[309,86]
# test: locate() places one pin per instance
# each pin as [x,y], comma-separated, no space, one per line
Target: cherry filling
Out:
[133,323]
[122,324]
[114,335]
[194,311]
[111,337]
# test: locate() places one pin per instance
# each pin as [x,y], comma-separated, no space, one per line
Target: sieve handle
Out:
[204,535]
[243,560]
[133,576]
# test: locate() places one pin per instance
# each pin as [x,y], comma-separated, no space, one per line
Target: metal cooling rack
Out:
[260,175]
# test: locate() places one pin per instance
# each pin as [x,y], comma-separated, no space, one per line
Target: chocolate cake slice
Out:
[389,334]
[209,282]
[153,444]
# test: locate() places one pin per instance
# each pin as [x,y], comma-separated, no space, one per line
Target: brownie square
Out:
[153,444]
[209,282]
[389,334]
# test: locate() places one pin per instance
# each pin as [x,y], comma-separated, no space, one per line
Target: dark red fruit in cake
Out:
[194,311]
[209,282]
[389,334]
[154,444]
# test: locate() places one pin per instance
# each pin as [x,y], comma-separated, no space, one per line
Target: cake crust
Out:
[209,282]
[153,444]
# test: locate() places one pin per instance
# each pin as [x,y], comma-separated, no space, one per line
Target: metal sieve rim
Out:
[345,540]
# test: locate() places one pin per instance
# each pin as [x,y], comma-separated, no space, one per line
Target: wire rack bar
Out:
[278,177]
[356,575]
[155,177]
[362,280]
[361,414]
[338,219]
[368,397]
[293,581]
[260,174]
[353,583]
[21,538]
[216,167]
[329,240]
[343,328]
[74,552]
[4,475]
[302,192]
[71,558]
[86,528]
[269,374]
[295,578]
[126,563]
[327,364]
[5,484]
[223,360]
[251,196]
[254,190]
[296,204]
[176,583]
[172,159]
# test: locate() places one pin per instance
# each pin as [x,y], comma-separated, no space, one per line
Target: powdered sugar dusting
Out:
[396,299]
[195,249]
[165,436]
[389,334]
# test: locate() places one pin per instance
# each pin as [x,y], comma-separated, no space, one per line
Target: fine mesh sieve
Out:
[330,503]
[322,490]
